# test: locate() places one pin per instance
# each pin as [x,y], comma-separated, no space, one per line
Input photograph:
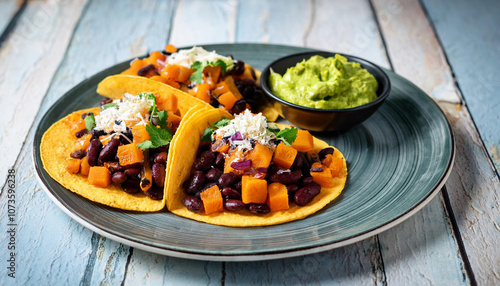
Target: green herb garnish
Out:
[287,135]
[207,133]
[108,105]
[157,136]
[197,76]
[89,121]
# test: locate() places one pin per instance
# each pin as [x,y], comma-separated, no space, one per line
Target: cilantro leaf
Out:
[287,135]
[207,134]
[89,122]
[158,137]
[197,76]
[108,105]
[162,118]
[222,65]
[221,123]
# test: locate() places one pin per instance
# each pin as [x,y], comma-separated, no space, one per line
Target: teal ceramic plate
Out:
[398,160]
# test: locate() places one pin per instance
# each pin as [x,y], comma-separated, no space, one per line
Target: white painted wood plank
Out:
[414,49]
[31,55]
[152,269]
[201,22]
[7,10]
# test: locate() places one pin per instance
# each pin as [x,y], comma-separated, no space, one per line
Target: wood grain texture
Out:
[214,22]
[414,49]
[471,39]
[38,42]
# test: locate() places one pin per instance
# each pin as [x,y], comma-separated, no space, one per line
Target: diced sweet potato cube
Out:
[212,200]
[184,74]
[140,134]
[233,157]
[203,92]
[156,55]
[304,141]
[135,66]
[129,154]
[223,147]
[170,49]
[227,85]
[277,199]
[260,155]
[159,78]
[247,73]
[170,72]
[335,164]
[99,176]
[75,123]
[174,119]
[227,99]
[73,165]
[167,102]
[284,155]
[211,75]
[220,88]
[323,178]
[83,142]
[253,190]
[84,167]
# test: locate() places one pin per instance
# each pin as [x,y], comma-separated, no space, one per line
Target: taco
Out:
[219,80]
[116,154]
[244,171]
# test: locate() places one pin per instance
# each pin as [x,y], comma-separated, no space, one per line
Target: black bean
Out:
[192,203]
[105,101]
[144,70]
[96,133]
[196,182]
[158,171]
[307,180]
[287,177]
[233,205]
[238,68]
[227,179]
[78,154]
[80,133]
[230,193]
[118,178]
[128,134]
[108,153]
[306,194]
[259,208]
[213,175]
[298,162]
[328,150]
[239,106]
[156,193]
[161,157]
[219,159]
[93,151]
[133,173]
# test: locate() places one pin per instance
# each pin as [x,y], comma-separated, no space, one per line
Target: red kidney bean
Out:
[316,169]
[85,114]
[131,190]
[158,172]
[156,193]
[259,208]
[328,150]
[213,175]
[133,173]
[292,189]
[192,203]
[96,133]
[307,180]
[219,159]
[78,154]
[207,186]
[298,162]
[306,194]
[239,106]
[196,182]
[237,185]
[227,179]
[205,161]
[93,151]
[287,177]
[108,153]
[161,157]
[115,167]
[80,133]
[144,70]
[105,101]
[233,205]
[230,193]
[239,67]
[118,178]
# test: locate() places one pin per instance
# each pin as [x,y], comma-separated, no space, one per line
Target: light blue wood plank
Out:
[469,33]
[7,10]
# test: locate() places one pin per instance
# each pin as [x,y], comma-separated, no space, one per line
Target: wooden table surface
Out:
[450,49]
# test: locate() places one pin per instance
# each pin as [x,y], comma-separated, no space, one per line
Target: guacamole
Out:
[325,83]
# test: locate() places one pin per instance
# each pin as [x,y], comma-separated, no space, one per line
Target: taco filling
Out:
[248,166]
[218,80]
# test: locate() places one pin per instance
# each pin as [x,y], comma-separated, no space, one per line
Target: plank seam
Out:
[463,102]
[129,258]
[175,6]
[381,260]
[223,274]
[375,17]
[12,23]
[308,28]
[458,236]
[89,268]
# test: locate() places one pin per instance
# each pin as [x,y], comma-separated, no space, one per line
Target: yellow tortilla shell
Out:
[116,85]
[182,158]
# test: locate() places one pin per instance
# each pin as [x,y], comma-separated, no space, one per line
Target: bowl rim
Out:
[383,94]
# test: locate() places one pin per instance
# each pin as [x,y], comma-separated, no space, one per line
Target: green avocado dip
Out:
[325,83]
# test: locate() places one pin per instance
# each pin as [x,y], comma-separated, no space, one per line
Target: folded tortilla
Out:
[183,154]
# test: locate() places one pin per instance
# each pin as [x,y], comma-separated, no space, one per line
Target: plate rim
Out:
[266,255]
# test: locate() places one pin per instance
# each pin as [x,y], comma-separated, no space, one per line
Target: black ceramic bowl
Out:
[316,119]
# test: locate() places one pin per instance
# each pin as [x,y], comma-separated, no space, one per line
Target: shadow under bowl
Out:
[315,119]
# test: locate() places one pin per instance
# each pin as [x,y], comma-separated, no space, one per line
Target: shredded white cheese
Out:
[128,112]
[250,127]
[187,58]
